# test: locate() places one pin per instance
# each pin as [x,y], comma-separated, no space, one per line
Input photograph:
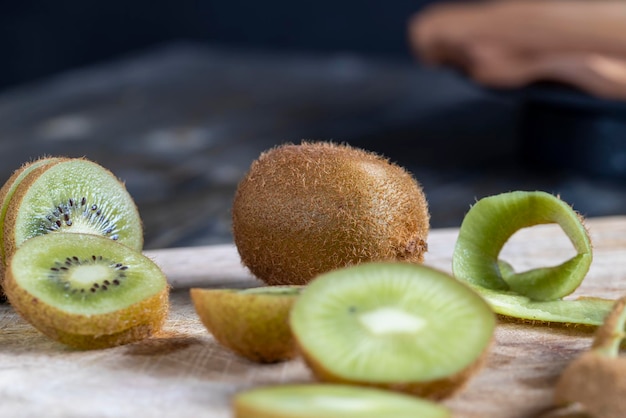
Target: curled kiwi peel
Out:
[331,401]
[86,291]
[392,325]
[537,294]
[253,322]
[597,378]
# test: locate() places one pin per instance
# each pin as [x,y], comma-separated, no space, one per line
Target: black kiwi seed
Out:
[60,271]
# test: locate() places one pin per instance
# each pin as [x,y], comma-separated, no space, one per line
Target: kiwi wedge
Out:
[537,294]
[251,322]
[68,195]
[86,291]
[305,209]
[399,326]
[331,401]
[597,378]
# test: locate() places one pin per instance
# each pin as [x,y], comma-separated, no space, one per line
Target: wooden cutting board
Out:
[185,373]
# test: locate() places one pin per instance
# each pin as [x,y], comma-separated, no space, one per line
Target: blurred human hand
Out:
[511,43]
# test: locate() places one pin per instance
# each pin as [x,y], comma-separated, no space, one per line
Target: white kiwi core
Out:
[389,320]
[86,275]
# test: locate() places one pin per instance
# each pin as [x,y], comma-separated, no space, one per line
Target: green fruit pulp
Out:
[99,204]
[284,290]
[11,190]
[391,322]
[332,401]
[88,259]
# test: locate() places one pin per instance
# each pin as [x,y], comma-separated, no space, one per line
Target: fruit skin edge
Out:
[120,327]
[6,193]
[434,389]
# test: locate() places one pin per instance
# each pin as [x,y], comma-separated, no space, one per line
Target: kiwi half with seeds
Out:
[86,291]
[305,209]
[331,401]
[251,322]
[535,295]
[398,326]
[69,195]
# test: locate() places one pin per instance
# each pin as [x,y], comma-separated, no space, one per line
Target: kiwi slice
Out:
[69,195]
[331,401]
[400,326]
[7,191]
[251,322]
[597,379]
[305,209]
[534,295]
[85,290]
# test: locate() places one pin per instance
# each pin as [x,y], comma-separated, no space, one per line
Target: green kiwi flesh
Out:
[253,322]
[9,187]
[6,194]
[71,195]
[534,295]
[331,401]
[86,290]
[305,209]
[399,326]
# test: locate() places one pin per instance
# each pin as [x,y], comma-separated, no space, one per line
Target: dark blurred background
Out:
[38,38]
[178,98]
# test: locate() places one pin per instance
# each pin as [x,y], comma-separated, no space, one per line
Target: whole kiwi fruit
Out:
[304,209]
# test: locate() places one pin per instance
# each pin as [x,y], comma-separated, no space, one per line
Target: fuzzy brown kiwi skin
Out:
[6,193]
[435,389]
[124,326]
[305,209]
[254,326]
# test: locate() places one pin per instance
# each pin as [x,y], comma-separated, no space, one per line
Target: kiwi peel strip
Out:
[536,294]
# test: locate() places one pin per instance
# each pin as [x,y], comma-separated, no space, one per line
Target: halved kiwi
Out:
[331,401]
[251,322]
[86,290]
[305,209]
[68,195]
[534,295]
[400,326]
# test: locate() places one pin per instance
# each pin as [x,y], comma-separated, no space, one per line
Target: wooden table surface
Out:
[184,372]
